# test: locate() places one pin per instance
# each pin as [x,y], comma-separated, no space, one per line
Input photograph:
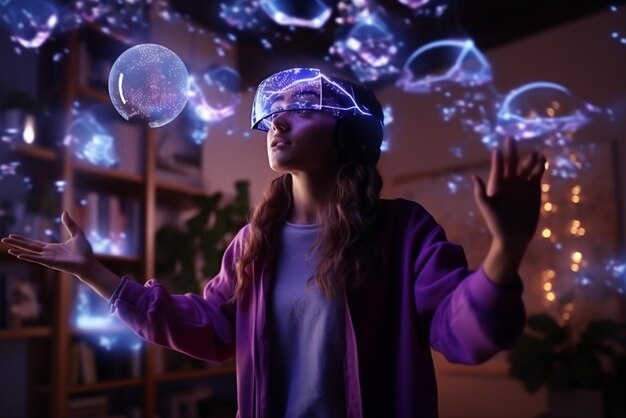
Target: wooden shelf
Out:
[169,187]
[109,174]
[135,180]
[105,385]
[196,373]
[25,332]
[37,152]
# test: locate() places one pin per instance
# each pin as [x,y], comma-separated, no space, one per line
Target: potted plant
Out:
[549,355]
[186,256]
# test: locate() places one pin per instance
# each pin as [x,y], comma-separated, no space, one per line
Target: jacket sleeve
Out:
[200,326]
[469,317]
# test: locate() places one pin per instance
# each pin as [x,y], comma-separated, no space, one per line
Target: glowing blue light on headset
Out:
[304,89]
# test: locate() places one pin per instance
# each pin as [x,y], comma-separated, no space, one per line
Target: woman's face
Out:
[302,140]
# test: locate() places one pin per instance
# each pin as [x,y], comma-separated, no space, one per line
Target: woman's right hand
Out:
[74,256]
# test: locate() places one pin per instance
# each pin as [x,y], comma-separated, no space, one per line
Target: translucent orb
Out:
[150,83]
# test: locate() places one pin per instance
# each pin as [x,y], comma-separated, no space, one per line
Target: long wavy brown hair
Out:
[347,245]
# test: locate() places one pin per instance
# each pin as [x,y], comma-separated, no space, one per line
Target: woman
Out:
[331,298]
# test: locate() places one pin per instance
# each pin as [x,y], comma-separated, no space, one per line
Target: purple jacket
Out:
[425,297]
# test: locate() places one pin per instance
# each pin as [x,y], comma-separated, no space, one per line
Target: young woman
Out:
[331,298]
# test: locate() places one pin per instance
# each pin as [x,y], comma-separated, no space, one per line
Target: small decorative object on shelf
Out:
[20,304]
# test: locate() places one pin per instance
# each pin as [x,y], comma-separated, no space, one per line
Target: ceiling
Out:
[490,23]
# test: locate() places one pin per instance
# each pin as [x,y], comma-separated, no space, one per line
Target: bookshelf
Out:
[56,388]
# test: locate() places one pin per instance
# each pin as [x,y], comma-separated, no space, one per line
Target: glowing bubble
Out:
[367,49]
[310,14]
[414,4]
[447,61]
[148,82]
[90,141]
[542,108]
[31,23]
[215,95]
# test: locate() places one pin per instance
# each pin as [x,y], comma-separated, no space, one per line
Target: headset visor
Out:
[302,89]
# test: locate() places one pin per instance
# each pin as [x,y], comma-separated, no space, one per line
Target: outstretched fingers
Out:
[510,158]
[528,165]
[538,169]
[24,243]
[32,257]
[71,226]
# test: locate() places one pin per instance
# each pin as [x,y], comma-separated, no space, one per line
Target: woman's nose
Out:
[279,121]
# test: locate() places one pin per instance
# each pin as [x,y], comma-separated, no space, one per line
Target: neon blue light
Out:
[467,66]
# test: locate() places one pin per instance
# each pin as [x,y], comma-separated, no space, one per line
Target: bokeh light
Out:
[149,83]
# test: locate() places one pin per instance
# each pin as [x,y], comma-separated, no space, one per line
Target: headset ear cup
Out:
[359,138]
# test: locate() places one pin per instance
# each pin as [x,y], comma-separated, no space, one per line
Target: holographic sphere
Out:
[149,83]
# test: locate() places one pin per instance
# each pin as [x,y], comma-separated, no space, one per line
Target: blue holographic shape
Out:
[30,22]
[445,61]
[541,109]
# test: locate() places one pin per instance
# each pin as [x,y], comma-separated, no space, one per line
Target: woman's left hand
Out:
[510,201]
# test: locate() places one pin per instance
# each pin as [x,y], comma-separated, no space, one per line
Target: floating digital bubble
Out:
[148,82]
[368,49]
[90,141]
[30,23]
[414,4]
[214,96]
[310,14]
[542,109]
[443,62]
